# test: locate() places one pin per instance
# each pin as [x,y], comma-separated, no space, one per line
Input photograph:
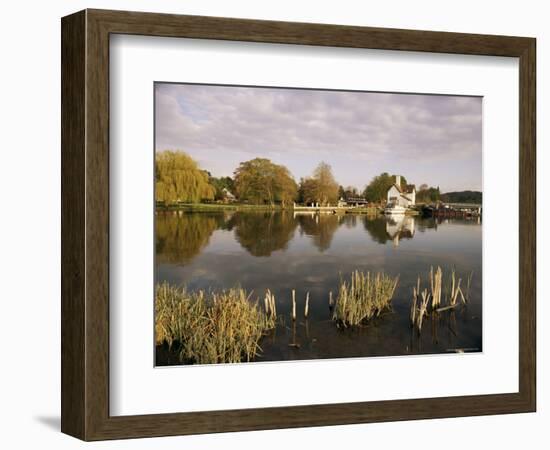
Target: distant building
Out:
[401,197]
[352,201]
[228,196]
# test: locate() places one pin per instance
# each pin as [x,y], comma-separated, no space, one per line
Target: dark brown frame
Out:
[85,224]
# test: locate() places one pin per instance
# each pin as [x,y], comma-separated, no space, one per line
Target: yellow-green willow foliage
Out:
[179,179]
[179,238]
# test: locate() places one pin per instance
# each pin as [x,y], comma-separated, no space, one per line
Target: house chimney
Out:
[398,180]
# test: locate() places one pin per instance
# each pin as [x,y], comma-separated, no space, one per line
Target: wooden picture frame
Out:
[85,224]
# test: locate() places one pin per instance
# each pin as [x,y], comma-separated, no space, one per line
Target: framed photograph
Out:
[273,225]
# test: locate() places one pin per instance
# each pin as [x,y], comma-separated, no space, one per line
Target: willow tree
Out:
[179,179]
[260,181]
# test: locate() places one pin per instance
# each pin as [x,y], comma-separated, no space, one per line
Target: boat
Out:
[393,209]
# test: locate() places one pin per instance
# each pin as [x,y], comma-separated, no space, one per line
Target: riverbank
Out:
[198,207]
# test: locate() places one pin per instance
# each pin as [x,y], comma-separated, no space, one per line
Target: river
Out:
[310,253]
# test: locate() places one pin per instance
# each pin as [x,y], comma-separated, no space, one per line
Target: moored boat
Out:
[393,209]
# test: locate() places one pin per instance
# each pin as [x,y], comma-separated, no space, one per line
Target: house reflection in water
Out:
[400,227]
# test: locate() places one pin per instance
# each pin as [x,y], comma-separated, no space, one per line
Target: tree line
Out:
[259,181]
[178,178]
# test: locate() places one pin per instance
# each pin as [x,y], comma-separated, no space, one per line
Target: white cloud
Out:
[222,125]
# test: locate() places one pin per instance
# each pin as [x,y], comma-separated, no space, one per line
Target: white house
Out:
[228,196]
[398,196]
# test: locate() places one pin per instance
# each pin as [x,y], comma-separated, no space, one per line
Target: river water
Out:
[310,253]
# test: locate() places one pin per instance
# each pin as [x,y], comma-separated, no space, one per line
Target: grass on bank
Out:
[205,207]
[363,297]
[210,327]
[218,206]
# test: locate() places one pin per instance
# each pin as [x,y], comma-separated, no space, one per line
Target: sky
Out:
[429,139]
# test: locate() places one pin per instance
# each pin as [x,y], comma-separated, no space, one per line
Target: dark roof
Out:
[409,188]
[396,186]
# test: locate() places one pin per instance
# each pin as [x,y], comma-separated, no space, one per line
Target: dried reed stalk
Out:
[293,304]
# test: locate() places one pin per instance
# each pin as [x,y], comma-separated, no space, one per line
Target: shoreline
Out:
[205,207]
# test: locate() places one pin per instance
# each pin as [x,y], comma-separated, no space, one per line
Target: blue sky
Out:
[430,139]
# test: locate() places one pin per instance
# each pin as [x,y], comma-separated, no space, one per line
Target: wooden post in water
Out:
[306,310]
[293,304]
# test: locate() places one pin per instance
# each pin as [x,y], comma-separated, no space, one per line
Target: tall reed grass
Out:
[451,291]
[363,297]
[210,327]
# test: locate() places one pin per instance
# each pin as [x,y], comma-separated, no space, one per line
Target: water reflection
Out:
[308,253]
[320,227]
[181,237]
[400,227]
[393,228]
[263,233]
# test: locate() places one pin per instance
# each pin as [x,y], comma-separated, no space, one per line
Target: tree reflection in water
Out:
[262,233]
[179,237]
[321,227]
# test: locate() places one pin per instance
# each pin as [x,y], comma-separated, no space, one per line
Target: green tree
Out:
[261,181]
[376,191]
[321,188]
[462,197]
[351,192]
[220,184]
[326,185]
[307,193]
[428,194]
[286,189]
[178,178]
[341,192]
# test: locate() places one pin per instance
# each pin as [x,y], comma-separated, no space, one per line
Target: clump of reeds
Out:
[421,298]
[210,327]
[363,297]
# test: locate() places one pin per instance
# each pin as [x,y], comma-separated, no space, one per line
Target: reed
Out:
[416,292]
[455,290]
[269,305]
[468,284]
[423,308]
[363,297]
[210,327]
[436,282]
[306,308]
[421,298]
[293,304]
